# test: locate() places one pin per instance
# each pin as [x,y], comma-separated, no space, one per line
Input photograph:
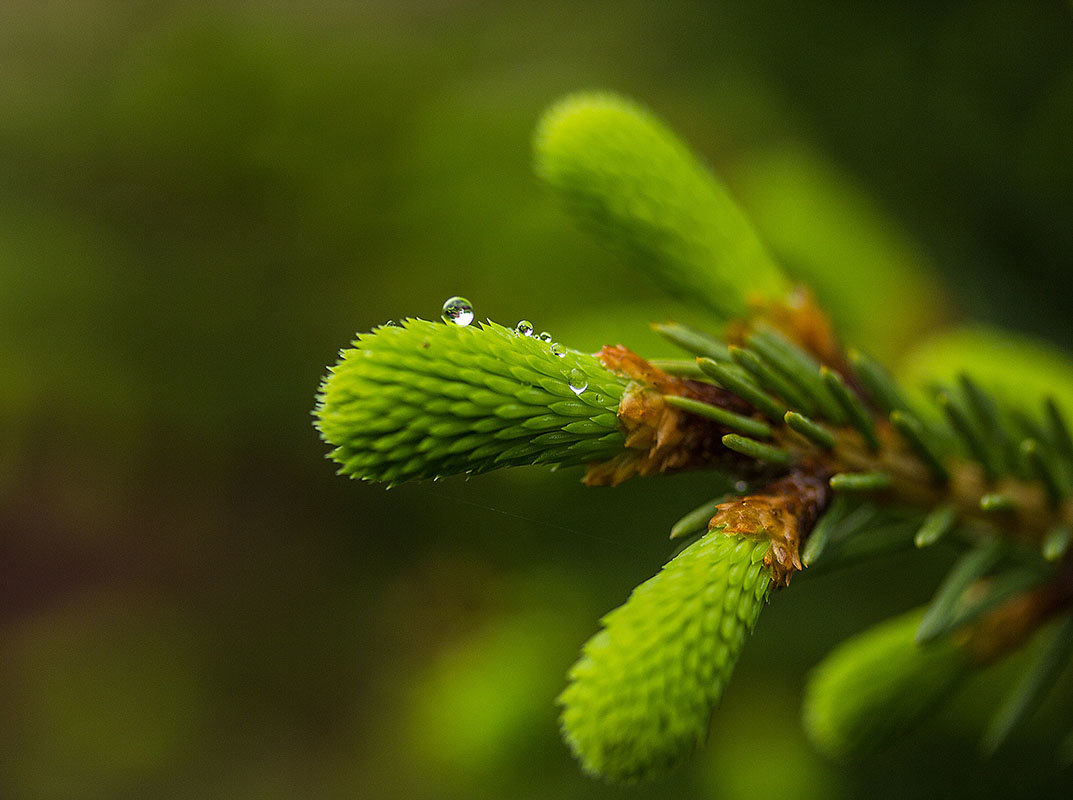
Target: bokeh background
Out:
[200,203]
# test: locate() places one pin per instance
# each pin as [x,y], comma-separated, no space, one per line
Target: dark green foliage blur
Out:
[201,203]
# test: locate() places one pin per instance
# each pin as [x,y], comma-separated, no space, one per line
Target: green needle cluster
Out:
[428,399]
[876,686]
[640,697]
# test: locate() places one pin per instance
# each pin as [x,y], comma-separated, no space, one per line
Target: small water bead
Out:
[559,350]
[545,336]
[578,382]
[524,328]
[391,324]
[458,310]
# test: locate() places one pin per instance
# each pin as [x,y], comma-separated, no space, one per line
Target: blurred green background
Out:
[200,203]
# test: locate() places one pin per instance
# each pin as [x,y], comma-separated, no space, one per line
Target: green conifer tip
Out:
[640,697]
[426,399]
[625,175]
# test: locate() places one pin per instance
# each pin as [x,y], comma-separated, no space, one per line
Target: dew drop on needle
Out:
[458,310]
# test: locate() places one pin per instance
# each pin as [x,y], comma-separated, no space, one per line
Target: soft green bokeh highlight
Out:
[765,756]
[478,705]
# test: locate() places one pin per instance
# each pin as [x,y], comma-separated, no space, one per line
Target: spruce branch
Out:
[427,399]
[836,462]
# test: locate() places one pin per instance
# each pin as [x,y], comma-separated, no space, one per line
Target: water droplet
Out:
[458,310]
[524,328]
[544,336]
[740,487]
[578,381]
[391,324]
[559,350]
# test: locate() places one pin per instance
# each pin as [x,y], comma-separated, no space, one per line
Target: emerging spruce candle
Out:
[425,399]
[643,690]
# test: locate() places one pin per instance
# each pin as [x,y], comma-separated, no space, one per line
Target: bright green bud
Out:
[625,175]
[641,695]
[426,399]
[877,685]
